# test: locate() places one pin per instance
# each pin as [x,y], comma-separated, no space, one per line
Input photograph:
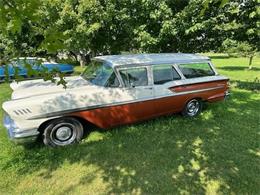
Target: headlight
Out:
[10,126]
[8,122]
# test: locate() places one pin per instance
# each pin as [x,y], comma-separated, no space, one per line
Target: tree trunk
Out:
[81,60]
[250,62]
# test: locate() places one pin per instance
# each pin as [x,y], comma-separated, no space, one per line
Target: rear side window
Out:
[134,77]
[193,70]
[164,73]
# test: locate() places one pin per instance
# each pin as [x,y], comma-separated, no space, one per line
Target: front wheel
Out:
[192,108]
[62,132]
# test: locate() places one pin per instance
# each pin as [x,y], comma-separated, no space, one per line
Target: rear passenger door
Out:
[165,77]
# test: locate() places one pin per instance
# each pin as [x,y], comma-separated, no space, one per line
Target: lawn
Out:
[216,153]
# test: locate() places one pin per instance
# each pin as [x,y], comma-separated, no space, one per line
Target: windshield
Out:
[97,73]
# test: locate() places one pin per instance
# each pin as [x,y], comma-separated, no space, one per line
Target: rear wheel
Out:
[62,132]
[192,108]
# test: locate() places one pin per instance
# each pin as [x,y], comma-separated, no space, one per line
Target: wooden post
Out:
[250,62]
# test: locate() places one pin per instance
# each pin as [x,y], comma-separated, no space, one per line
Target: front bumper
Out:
[17,135]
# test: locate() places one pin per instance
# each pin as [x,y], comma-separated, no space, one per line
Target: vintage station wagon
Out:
[115,90]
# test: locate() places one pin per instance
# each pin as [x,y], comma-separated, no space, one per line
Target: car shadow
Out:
[238,68]
[253,86]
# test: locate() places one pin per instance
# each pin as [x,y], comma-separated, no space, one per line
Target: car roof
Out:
[150,59]
[28,58]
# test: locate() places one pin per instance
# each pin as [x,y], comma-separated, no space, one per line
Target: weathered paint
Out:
[138,111]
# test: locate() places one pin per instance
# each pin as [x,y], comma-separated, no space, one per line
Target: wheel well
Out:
[197,98]
[87,126]
[44,125]
[201,100]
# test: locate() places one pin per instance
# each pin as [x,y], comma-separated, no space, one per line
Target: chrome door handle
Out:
[148,87]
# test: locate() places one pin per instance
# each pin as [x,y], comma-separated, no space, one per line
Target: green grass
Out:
[237,68]
[217,152]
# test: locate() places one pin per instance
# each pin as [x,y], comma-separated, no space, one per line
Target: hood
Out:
[40,87]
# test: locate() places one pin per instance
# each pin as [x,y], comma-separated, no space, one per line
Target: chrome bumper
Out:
[227,94]
[17,135]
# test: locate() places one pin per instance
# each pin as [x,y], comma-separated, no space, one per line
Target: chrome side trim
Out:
[60,113]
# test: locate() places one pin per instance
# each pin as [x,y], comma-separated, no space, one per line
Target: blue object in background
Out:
[22,71]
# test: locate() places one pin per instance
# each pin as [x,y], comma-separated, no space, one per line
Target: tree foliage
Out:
[86,28]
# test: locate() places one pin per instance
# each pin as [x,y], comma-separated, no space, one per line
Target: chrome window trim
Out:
[149,69]
[213,68]
[179,71]
[208,62]
[118,77]
[172,65]
[135,67]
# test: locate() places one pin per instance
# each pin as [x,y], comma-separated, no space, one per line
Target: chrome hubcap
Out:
[63,133]
[193,107]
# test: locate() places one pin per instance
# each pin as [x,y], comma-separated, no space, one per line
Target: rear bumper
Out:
[17,135]
[227,95]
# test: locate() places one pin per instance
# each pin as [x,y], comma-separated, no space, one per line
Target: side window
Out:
[112,81]
[193,70]
[164,73]
[134,77]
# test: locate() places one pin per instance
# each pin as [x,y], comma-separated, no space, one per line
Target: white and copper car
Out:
[115,90]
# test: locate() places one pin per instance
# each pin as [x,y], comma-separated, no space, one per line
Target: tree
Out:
[236,48]
[87,28]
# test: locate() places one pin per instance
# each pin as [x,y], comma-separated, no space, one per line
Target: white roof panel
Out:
[150,59]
